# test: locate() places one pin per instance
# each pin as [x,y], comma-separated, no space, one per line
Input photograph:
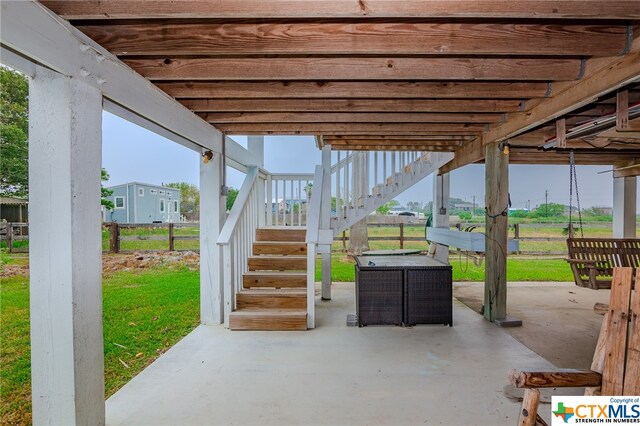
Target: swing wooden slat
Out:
[592,259]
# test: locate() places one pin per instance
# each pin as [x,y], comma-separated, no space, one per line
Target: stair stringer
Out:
[420,169]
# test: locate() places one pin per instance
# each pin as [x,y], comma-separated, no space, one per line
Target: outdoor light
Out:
[207,156]
[504,147]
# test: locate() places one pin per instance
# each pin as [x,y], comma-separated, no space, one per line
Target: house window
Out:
[175,206]
[161,206]
[169,193]
[153,191]
[161,192]
[119,202]
[141,192]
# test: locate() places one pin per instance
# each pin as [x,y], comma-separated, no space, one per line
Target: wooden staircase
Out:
[274,293]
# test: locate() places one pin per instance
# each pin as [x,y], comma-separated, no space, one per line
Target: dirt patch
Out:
[112,263]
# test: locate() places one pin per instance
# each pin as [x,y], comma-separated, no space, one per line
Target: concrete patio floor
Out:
[332,375]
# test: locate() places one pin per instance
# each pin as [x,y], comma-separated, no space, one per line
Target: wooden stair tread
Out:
[276,273]
[271,320]
[277,263]
[281,233]
[272,292]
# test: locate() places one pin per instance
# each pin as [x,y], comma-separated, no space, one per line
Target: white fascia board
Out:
[34,32]
[468,241]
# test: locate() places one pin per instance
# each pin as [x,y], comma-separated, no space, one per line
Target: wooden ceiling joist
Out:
[386,147]
[350,128]
[584,157]
[358,38]
[353,105]
[356,89]
[396,141]
[382,138]
[348,117]
[256,9]
[357,68]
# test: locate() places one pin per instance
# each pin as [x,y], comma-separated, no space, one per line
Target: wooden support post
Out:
[516,231]
[496,220]
[529,411]
[10,237]
[325,220]
[65,252]
[171,238]
[114,237]
[344,241]
[624,207]
[402,235]
[212,214]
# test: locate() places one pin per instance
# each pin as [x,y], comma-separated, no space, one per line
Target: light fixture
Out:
[504,147]
[207,156]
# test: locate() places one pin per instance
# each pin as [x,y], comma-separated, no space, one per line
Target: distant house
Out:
[137,202]
[284,206]
[465,207]
[13,209]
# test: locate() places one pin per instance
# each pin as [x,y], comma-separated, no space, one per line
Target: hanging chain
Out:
[573,179]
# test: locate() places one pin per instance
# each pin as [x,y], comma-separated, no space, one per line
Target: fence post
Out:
[401,235]
[570,230]
[10,236]
[114,238]
[344,241]
[171,238]
[516,231]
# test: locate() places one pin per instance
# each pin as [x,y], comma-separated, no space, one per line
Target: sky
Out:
[131,153]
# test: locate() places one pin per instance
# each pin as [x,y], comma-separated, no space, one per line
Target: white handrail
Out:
[313,213]
[238,206]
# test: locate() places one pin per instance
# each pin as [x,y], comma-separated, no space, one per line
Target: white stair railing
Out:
[312,239]
[289,199]
[237,237]
[362,181]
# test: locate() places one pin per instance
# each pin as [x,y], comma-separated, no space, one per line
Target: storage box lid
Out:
[420,261]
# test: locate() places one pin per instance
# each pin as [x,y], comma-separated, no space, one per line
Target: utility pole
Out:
[473,212]
[546,203]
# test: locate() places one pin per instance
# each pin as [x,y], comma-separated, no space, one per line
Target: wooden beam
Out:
[351,105]
[347,117]
[255,9]
[358,38]
[600,79]
[555,379]
[626,169]
[381,138]
[617,73]
[469,153]
[349,128]
[356,68]
[357,89]
[582,157]
[416,143]
[386,147]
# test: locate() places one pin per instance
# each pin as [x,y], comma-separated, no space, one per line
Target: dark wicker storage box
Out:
[391,290]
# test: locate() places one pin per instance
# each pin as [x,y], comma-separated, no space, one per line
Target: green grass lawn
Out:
[144,315]
[518,269]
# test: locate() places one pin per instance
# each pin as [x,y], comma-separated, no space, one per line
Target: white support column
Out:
[65,253]
[212,216]
[325,221]
[625,192]
[255,145]
[441,193]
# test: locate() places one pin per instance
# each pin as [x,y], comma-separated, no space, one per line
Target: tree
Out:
[549,210]
[189,199]
[14,130]
[414,206]
[104,192]
[231,198]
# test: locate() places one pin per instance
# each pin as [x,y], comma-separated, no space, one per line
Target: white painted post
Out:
[325,220]
[255,145]
[65,253]
[625,192]
[441,185]
[212,214]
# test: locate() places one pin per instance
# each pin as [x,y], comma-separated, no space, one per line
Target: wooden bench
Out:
[615,369]
[592,259]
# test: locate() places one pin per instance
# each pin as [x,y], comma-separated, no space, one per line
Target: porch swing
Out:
[592,259]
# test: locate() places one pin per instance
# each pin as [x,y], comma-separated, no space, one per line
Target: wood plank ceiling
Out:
[437,75]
